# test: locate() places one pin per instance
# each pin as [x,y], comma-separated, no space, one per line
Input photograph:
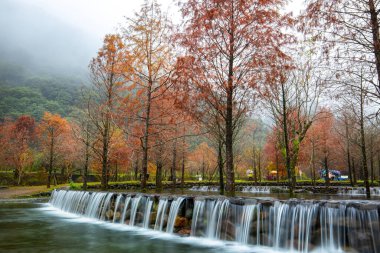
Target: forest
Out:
[237,91]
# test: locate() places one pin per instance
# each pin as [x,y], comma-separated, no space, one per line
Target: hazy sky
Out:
[66,34]
[103,16]
[97,17]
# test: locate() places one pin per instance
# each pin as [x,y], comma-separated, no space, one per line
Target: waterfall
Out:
[205,188]
[216,221]
[126,205]
[135,205]
[256,189]
[291,225]
[174,207]
[198,210]
[161,213]
[148,210]
[242,234]
[358,191]
[116,211]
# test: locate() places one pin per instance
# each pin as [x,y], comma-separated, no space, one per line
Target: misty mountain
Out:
[35,43]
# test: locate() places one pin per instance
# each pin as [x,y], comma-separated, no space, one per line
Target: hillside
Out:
[24,92]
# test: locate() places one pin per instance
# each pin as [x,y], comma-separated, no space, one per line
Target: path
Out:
[22,191]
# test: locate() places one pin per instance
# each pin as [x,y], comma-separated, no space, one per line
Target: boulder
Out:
[180,222]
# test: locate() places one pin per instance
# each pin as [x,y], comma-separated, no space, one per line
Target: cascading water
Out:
[148,209]
[205,188]
[161,214]
[358,191]
[292,225]
[135,205]
[256,189]
[174,207]
[125,208]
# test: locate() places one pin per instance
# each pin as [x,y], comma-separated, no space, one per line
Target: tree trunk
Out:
[348,152]
[146,138]
[230,173]
[15,175]
[378,164]
[203,169]
[254,166]
[85,169]
[19,176]
[362,142]
[220,166]
[136,168]
[55,177]
[313,163]
[105,156]
[116,171]
[259,166]
[51,159]
[183,168]
[159,175]
[375,39]
[327,171]
[286,140]
[353,171]
[277,168]
[174,165]
[371,159]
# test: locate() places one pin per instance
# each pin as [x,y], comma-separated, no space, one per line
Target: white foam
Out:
[154,234]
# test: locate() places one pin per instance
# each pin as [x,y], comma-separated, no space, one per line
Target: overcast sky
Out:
[97,17]
[100,17]
[66,34]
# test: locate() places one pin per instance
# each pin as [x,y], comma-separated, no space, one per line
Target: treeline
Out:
[34,101]
[156,86]
[23,92]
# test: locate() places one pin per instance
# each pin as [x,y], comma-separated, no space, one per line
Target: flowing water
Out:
[256,189]
[204,188]
[37,227]
[124,222]
[358,191]
[290,225]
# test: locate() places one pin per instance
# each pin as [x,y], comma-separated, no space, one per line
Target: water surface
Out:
[27,226]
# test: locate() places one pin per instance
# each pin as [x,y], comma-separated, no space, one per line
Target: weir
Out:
[205,188]
[358,191]
[291,226]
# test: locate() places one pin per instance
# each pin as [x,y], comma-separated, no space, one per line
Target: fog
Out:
[59,37]
[52,37]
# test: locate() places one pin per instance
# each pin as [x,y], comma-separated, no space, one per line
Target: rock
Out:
[189,213]
[117,215]
[184,232]
[180,222]
[109,214]
[152,218]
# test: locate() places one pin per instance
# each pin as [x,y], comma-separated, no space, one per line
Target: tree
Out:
[272,153]
[350,30]
[51,128]
[203,160]
[83,132]
[322,146]
[293,100]
[147,38]
[18,138]
[119,155]
[227,43]
[107,72]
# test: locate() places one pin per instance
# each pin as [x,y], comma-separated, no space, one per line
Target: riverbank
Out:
[26,191]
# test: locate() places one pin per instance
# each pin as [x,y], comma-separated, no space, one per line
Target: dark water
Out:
[37,227]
